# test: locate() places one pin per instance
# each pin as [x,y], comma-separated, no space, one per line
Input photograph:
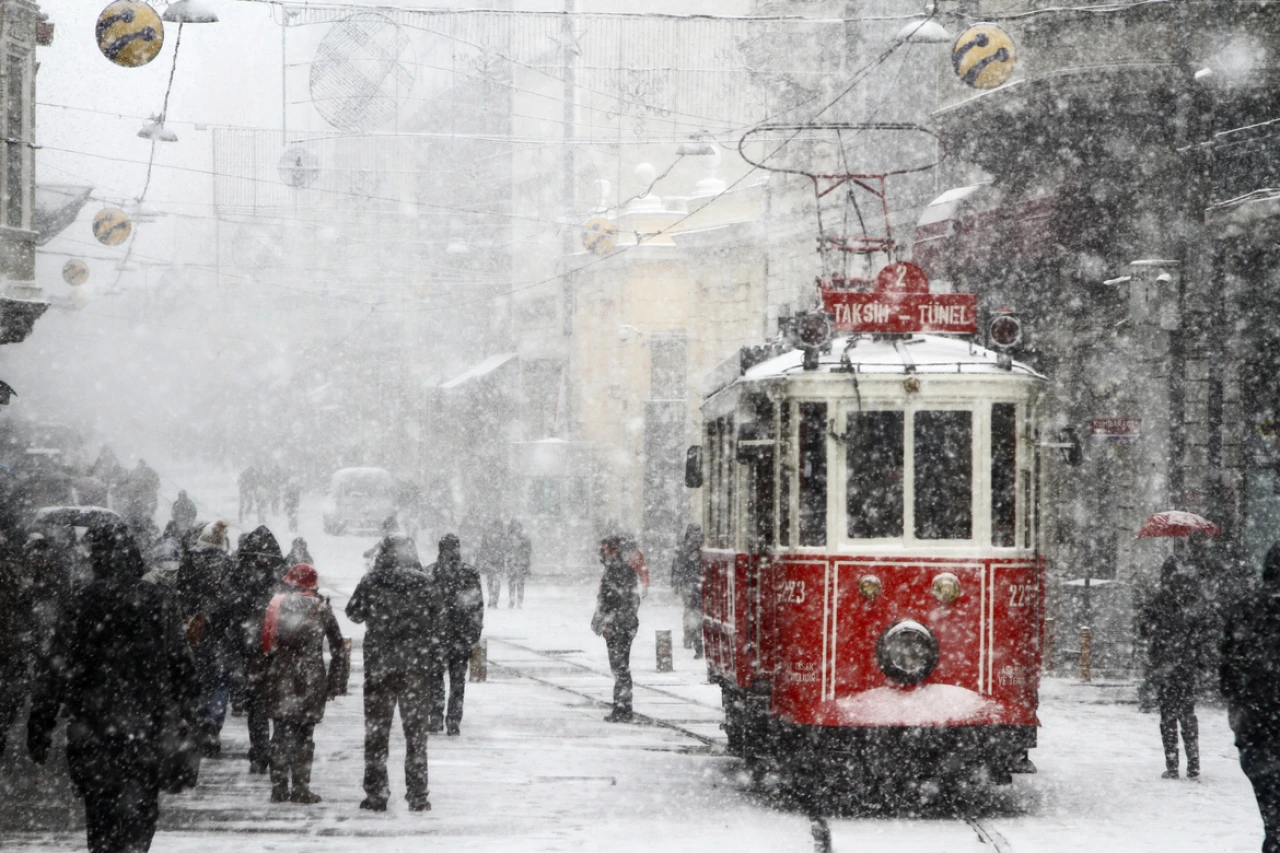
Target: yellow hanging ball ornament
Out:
[129,33]
[600,236]
[983,56]
[111,226]
[75,272]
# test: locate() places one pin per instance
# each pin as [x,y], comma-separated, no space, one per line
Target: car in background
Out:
[359,501]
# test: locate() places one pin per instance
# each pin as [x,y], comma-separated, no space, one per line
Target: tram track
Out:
[988,837]
[715,746]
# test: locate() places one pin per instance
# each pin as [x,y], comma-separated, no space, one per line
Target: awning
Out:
[57,206]
[975,228]
[478,371]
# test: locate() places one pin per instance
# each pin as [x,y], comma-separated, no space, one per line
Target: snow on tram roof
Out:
[901,355]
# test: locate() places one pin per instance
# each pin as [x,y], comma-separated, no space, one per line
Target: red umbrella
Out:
[1177,523]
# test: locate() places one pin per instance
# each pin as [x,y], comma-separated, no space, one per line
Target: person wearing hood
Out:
[1249,676]
[202,576]
[121,670]
[617,619]
[686,580]
[1171,623]
[297,624]
[519,554]
[255,577]
[394,602]
[459,621]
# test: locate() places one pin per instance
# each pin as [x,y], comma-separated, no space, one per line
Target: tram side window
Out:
[943,475]
[1004,475]
[813,474]
[875,460]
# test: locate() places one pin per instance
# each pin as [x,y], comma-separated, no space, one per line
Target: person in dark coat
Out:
[294,631]
[1171,623]
[17,639]
[292,500]
[204,570]
[617,619]
[184,512]
[491,559]
[519,555]
[1250,680]
[394,602]
[248,483]
[686,581]
[459,621]
[120,668]
[254,578]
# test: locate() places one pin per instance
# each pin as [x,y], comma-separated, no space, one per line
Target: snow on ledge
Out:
[928,705]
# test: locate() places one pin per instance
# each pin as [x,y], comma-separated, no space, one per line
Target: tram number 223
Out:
[792,592]
[1021,595]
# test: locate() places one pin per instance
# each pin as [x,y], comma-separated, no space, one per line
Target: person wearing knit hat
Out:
[298,622]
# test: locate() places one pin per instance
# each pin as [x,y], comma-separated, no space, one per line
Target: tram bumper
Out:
[913,752]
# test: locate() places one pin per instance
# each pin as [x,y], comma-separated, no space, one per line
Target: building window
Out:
[943,475]
[875,458]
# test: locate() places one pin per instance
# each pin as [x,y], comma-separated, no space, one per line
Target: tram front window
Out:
[943,475]
[1004,474]
[875,461]
[813,474]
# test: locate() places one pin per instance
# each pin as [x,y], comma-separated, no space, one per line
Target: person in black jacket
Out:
[1250,679]
[18,639]
[120,667]
[394,602]
[253,579]
[204,570]
[617,619]
[1171,622]
[459,621]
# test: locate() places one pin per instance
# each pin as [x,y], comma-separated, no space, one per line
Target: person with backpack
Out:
[294,631]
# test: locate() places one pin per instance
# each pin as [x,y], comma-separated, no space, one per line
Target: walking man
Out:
[184,513]
[1250,680]
[459,621]
[393,600]
[1171,623]
[617,619]
[519,553]
[491,559]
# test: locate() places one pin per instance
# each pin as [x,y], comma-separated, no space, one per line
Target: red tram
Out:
[873,590]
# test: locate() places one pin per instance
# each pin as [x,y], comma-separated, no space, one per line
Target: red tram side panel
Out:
[817,638]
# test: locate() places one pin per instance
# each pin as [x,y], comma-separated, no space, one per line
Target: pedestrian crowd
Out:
[145,660]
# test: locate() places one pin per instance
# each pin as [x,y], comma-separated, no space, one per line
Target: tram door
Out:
[757,453]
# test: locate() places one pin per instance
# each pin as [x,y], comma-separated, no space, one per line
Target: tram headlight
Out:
[946,587]
[907,651]
[870,587]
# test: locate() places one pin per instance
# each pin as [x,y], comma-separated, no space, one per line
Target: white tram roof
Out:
[897,356]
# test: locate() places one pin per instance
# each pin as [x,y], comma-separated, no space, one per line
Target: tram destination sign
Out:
[903,313]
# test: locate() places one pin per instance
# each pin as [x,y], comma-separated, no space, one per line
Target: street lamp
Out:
[924,30]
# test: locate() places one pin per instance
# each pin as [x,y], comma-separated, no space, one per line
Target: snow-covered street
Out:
[537,769]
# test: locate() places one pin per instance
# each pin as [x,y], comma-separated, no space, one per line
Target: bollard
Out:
[1086,655]
[479,666]
[664,651]
[1046,661]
